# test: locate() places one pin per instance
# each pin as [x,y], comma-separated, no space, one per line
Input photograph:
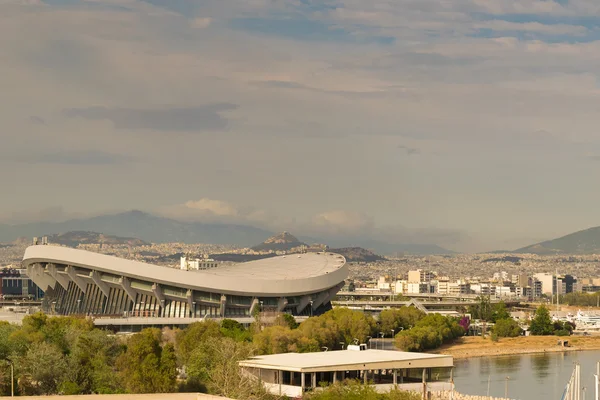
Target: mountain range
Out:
[156,229]
[586,241]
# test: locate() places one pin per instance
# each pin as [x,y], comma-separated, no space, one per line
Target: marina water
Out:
[531,376]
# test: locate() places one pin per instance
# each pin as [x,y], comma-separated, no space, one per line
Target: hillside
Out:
[147,227]
[357,254]
[74,238]
[155,229]
[582,242]
[283,241]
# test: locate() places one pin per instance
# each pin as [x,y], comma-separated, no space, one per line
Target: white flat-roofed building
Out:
[291,374]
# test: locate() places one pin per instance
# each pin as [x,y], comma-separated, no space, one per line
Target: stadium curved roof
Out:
[294,274]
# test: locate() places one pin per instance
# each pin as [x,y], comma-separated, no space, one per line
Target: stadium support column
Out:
[36,273]
[320,299]
[156,289]
[190,301]
[254,305]
[223,304]
[126,285]
[281,303]
[58,277]
[75,278]
[102,285]
[303,303]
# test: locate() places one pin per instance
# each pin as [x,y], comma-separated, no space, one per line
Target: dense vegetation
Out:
[67,355]
[580,299]
[429,332]
[355,391]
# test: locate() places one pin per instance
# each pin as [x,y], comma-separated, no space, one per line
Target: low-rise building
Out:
[292,374]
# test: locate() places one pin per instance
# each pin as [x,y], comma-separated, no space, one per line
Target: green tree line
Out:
[67,355]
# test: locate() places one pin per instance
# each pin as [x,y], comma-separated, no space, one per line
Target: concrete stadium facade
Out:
[82,282]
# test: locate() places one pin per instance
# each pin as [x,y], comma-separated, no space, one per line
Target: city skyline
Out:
[470,125]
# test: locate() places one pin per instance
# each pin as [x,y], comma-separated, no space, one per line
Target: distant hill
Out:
[155,229]
[357,254]
[74,238]
[387,248]
[583,242]
[283,241]
[145,226]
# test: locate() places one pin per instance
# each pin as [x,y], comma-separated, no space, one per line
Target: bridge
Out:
[376,294]
[446,306]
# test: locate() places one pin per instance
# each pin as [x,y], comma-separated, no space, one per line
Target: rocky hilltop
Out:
[283,241]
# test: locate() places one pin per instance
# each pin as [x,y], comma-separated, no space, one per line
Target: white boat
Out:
[584,320]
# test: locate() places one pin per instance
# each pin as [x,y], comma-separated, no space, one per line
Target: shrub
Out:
[507,327]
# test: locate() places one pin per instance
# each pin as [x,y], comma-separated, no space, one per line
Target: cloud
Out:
[342,222]
[48,214]
[314,102]
[34,119]
[215,211]
[409,150]
[179,119]
[201,23]
[77,157]
[214,207]
[536,27]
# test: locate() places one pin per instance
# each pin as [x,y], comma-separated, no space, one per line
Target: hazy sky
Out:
[473,124]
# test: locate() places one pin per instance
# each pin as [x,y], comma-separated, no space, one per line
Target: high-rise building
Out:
[547,282]
[420,275]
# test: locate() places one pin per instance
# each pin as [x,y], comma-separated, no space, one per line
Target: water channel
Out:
[530,376]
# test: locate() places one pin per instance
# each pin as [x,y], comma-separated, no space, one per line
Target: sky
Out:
[472,124]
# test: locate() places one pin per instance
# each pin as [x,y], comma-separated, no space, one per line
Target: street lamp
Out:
[382,336]
[369,340]
[194,306]
[79,306]
[53,307]
[393,333]
[311,308]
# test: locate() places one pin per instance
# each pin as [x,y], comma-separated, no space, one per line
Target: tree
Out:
[418,339]
[233,329]
[481,309]
[499,312]
[465,322]
[45,367]
[429,333]
[507,327]
[146,367]
[399,318]
[541,324]
[214,363]
[288,320]
[92,362]
[190,337]
[338,325]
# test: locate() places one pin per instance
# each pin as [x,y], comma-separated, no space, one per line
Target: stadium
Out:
[78,282]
